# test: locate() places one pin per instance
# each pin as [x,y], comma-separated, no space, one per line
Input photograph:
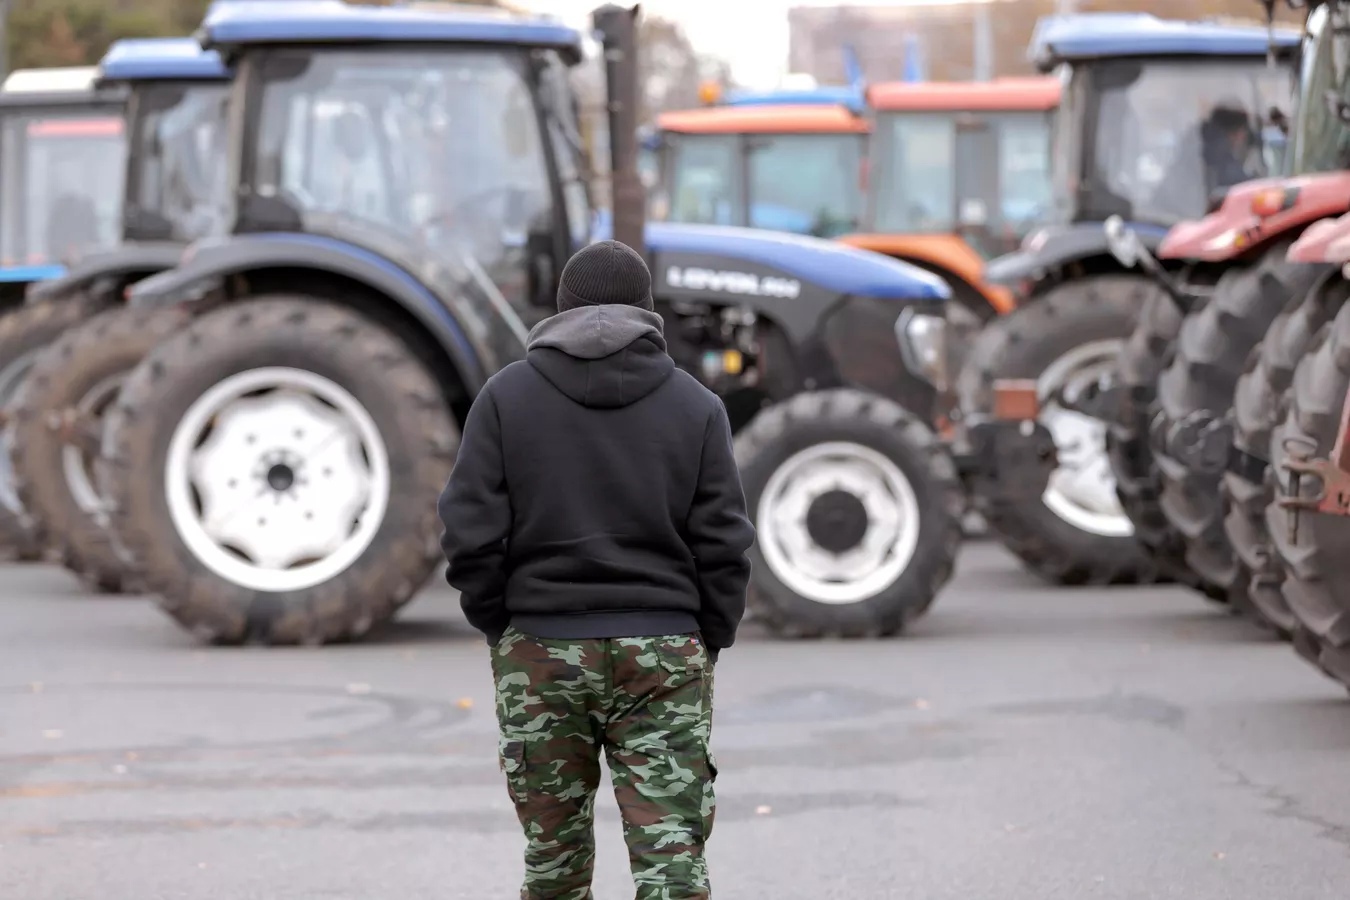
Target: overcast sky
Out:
[750,34]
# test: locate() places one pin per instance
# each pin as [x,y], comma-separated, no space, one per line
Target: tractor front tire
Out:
[271,467]
[1138,482]
[857,507]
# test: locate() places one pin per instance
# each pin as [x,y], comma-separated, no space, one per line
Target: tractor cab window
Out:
[1024,172]
[61,184]
[1321,139]
[914,164]
[805,183]
[429,154]
[985,175]
[704,183]
[178,174]
[1169,135]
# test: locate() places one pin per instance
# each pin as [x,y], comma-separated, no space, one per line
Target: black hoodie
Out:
[595,494]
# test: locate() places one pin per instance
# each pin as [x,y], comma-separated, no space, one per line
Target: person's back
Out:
[596,528]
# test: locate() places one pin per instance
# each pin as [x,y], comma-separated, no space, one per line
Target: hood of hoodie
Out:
[601,356]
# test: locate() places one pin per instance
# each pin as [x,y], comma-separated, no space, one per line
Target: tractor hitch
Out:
[1009,455]
[1333,474]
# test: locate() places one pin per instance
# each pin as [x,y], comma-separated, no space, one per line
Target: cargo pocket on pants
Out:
[708,801]
[511,753]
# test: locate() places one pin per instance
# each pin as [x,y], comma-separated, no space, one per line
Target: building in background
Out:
[956,39]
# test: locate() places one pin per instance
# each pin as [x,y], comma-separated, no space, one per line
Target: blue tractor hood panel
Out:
[161,59]
[1086,36]
[832,266]
[331,21]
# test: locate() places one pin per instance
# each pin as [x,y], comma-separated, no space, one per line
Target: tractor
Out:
[1195,433]
[1141,136]
[410,183]
[74,334]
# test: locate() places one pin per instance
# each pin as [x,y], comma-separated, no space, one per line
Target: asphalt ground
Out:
[1022,743]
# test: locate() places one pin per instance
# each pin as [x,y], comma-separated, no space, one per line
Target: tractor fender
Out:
[1055,246]
[949,257]
[131,258]
[1239,228]
[206,267]
[1324,241]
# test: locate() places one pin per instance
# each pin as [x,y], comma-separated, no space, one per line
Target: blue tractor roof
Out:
[1087,36]
[161,59]
[332,21]
[847,96]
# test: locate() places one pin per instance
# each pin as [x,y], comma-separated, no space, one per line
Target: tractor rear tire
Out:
[75,381]
[883,454]
[24,332]
[1260,404]
[1138,482]
[1196,393]
[227,414]
[1066,334]
[1316,585]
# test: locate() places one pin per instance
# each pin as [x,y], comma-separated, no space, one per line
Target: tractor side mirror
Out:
[1122,242]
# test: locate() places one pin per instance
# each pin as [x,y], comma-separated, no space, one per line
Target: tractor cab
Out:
[970,159]
[62,159]
[177,113]
[1157,120]
[175,179]
[782,161]
[959,172]
[1313,183]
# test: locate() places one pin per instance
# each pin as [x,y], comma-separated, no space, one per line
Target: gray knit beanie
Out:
[602,273]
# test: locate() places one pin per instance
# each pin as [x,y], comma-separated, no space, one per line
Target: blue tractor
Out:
[410,184]
[1157,118]
[61,350]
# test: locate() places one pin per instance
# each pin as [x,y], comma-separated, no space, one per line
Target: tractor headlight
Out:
[923,343]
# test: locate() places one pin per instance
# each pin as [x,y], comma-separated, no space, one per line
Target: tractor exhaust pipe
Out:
[617,26]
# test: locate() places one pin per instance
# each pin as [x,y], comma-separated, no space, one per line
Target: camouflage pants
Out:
[647,703]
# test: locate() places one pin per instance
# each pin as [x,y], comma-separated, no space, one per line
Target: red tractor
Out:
[1199,381]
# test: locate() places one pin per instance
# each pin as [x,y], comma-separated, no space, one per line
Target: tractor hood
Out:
[1255,213]
[753,263]
[1327,241]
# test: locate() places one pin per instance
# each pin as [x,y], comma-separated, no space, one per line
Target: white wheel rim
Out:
[229,494]
[1082,489]
[876,561]
[11,377]
[78,468]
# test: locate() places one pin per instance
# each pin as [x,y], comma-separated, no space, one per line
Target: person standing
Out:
[596,529]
